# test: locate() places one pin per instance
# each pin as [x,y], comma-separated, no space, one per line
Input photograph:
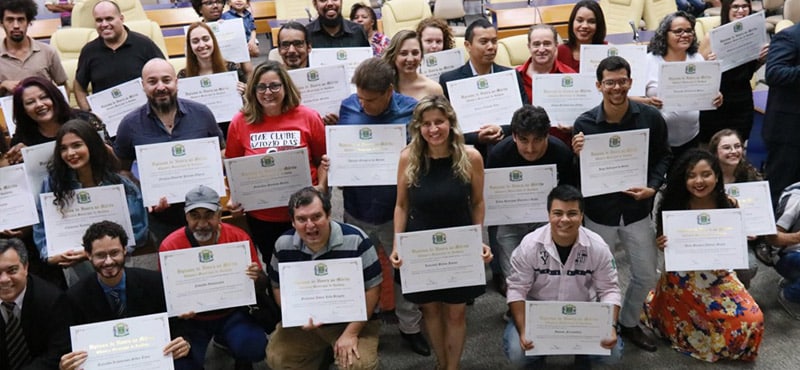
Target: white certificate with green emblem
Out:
[208,278]
[35,160]
[364,155]
[434,64]
[231,39]
[568,328]
[326,291]
[173,168]
[217,92]
[322,88]
[441,258]
[613,162]
[16,200]
[64,228]
[112,104]
[755,202]
[350,57]
[267,180]
[688,86]
[135,343]
[739,41]
[708,239]
[565,96]
[485,99]
[592,55]
[516,195]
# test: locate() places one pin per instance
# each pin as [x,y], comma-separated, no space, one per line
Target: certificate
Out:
[568,328]
[326,291]
[135,343]
[708,239]
[112,104]
[565,96]
[173,168]
[688,86]
[35,159]
[16,199]
[613,162]
[208,278]
[64,228]
[217,92]
[739,42]
[441,258]
[322,88]
[7,105]
[517,195]
[485,99]
[434,64]
[756,205]
[230,38]
[364,155]
[267,180]
[350,57]
[592,55]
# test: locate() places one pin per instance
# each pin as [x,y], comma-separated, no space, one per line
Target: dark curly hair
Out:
[370,11]
[197,4]
[101,229]
[20,6]
[658,44]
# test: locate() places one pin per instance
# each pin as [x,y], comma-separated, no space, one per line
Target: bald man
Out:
[115,57]
[164,118]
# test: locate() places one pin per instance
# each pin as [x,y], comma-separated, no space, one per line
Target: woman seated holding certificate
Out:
[82,160]
[404,54]
[203,57]
[708,315]
[439,185]
[273,120]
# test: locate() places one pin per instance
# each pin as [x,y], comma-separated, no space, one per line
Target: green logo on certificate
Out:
[205,82]
[738,27]
[431,61]
[703,219]
[83,197]
[515,176]
[567,81]
[178,150]
[320,269]
[614,141]
[341,55]
[439,238]
[483,84]
[121,330]
[214,27]
[205,256]
[569,309]
[733,191]
[267,161]
[312,75]
[116,93]
[612,52]
[365,133]
[691,69]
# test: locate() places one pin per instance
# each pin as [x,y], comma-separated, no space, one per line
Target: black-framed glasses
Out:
[213,2]
[611,83]
[682,31]
[296,43]
[273,87]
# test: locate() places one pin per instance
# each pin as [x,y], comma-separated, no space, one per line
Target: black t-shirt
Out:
[505,154]
[563,252]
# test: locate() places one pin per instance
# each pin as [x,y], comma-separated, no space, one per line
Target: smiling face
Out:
[739,9]
[363,18]
[584,26]
[530,147]
[74,151]
[614,86]
[13,275]
[432,39]
[701,180]
[409,56]
[435,127]
[542,47]
[202,44]
[108,22]
[271,102]
[565,219]
[312,224]
[203,223]
[211,10]
[329,9]
[238,5]
[38,105]
[15,24]
[680,35]
[160,85]
[108,259]
[483,47]
[293,48]
[729,151]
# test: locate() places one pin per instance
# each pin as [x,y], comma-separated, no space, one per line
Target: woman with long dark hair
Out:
[404,54]
[587,25]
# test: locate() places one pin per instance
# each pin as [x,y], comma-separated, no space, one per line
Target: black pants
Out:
[265,234]
[782,167]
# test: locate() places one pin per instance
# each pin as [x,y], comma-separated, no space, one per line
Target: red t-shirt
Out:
[299,127]
[227,234]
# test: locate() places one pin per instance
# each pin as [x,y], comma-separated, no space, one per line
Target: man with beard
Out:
[233,328]
[294,45]
[116,292]
[20,55]
[331,30]
[164,118]
[117,56]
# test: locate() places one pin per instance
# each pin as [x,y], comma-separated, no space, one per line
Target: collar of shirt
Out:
[180,112]
[17,308]
[121,286]
[34,47]
[633,110]
[334,240]
[474,72]
[126,43]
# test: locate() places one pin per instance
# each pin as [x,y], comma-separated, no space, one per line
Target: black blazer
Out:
[782,117]
[44,325]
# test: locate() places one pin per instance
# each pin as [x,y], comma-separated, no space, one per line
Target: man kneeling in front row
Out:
[560,261]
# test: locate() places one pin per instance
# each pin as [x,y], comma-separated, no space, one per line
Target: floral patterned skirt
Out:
[708,315]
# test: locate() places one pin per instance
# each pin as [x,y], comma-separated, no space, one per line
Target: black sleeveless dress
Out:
[441,200]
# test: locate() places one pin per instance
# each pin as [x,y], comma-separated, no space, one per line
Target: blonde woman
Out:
[404,54]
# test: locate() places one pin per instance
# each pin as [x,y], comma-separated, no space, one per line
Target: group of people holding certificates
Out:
[554,157]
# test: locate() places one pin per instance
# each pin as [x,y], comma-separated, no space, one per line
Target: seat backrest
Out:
[275,55]
[791,10]
[449,9]
[68,42]
[655,10]
[704,25]
[772,4]
[398,15]
[619,12]
[82,16]
[150,29]
[502,57]
[296,9]
[459,44]
[516,48]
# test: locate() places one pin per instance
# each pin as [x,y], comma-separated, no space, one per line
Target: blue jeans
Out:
[517,357]
[788,266]
[243,337]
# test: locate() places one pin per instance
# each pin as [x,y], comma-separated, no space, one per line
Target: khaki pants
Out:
[295,348]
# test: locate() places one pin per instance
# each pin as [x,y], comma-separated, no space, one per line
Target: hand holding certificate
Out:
[568,328]
[217,92]
[322,88]
[35,159]
[518,195]
[687,86]
[486,99]
[756,205]
[614,162]
[16,200]
[364,155]
[268,180]
[739,41]
[709,239]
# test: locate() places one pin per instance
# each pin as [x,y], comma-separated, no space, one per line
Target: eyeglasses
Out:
[102,256]
[622,82]
[213,2]
[739,7]
[681,32]
[296,43]
[262,88]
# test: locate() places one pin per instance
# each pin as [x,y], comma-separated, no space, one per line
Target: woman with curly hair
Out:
[434,35]
[587,25]
[439,185]
[675,41]
[404,55]
[365,16]
[708,315]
